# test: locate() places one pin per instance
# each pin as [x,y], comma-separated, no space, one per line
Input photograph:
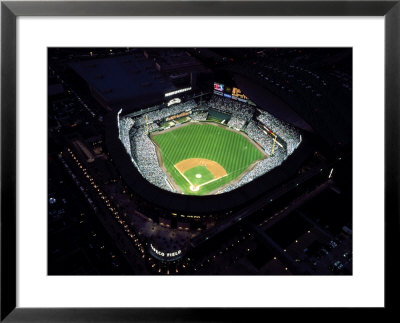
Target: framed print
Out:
[197,160]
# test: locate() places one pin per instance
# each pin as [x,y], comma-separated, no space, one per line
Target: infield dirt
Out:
[215,169]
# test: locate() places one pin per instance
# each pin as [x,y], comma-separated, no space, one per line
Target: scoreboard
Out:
[231,92]
[238,94]
[183,114]
[218,87]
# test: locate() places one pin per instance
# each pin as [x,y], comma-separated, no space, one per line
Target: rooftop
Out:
[122,78]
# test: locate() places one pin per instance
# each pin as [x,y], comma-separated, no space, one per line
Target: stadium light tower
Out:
[273,146]
[147,124]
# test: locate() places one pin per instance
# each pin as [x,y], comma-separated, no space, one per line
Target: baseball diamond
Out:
[200,158]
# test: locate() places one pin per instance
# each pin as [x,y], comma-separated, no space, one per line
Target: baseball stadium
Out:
[206,149]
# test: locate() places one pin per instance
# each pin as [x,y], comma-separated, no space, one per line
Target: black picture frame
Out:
[10,10]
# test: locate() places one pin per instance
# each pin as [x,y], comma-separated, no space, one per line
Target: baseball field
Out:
[202,157]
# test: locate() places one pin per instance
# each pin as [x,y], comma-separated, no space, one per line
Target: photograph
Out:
[200,161]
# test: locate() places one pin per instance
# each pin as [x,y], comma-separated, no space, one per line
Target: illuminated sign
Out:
[178,91]
[174,101]
[165,254]
[158,252]
[177,116]
[173,254]
[238,93]
[218,87]
[231,92]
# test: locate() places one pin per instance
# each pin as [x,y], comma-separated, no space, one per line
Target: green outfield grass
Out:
[229,149]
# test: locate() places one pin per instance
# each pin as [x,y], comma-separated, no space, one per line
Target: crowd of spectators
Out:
[259,137]
[124,126]
[288,133]
[145,156]
[164,112]
[199,116]
[236,123]
[153,126]
[235,108]
[259,169]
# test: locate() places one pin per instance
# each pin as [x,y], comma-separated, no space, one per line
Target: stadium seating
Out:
[133,134]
